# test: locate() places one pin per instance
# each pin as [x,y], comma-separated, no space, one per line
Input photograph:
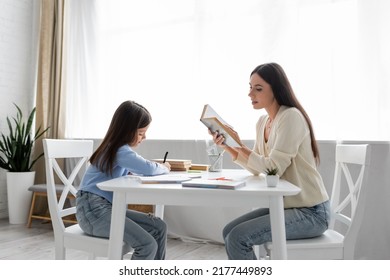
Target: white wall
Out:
[18,37]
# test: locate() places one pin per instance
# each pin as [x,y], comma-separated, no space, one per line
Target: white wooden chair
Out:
[72,236]
[347,208]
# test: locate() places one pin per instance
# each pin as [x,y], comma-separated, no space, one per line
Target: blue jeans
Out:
[254,228]
[146,234]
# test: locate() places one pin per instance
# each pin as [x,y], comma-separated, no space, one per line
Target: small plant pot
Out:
[272,180]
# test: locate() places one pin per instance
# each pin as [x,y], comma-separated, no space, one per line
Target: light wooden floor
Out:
[17,242]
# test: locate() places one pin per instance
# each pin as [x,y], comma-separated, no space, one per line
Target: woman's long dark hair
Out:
[128,118]
[275,76]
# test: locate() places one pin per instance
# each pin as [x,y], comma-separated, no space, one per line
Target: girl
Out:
[115,157]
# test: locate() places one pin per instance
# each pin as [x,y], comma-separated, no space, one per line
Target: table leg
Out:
[159,211]
[276,207]
[117,228]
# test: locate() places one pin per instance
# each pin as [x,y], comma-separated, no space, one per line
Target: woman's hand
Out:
[218,139]
[245,151]
[235,134]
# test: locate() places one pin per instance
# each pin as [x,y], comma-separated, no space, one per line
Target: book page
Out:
[209,112]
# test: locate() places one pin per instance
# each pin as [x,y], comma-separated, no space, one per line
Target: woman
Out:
[284,140]
[115,157]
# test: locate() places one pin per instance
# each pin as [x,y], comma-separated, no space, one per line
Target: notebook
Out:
[214,184]
[164,179]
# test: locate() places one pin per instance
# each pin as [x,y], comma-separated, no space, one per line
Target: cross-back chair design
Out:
[40,191]
[72,236]
[347,204]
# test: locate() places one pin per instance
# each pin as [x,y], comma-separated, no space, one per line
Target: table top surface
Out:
[254,184]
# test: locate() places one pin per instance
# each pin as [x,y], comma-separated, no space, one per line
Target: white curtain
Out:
[174,56]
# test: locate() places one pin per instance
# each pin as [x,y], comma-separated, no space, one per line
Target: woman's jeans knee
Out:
[145,233]
[254,228]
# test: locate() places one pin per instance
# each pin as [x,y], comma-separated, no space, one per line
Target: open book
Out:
[214,122]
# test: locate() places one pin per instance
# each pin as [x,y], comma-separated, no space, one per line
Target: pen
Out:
[222,179]
[165,157]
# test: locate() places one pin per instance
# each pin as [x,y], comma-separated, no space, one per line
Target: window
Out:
[175,56]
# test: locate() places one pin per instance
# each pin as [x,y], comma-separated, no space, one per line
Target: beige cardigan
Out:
[289,149]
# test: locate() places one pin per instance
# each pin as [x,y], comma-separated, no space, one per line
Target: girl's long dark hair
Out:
[275,76]
[128,118]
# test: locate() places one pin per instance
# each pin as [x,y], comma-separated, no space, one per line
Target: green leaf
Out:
[16,147]
[271,171]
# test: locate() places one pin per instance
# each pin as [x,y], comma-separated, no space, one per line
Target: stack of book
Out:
[177,164]
[200,167]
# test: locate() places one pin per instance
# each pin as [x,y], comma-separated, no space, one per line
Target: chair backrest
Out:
[349,188]
[57,150]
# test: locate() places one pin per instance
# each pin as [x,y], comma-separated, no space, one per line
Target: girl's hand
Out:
[167,165]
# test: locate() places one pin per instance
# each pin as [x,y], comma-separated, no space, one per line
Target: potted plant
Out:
[16,157]
[271,177]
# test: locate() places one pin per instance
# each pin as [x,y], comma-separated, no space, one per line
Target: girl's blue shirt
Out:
[127,161]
